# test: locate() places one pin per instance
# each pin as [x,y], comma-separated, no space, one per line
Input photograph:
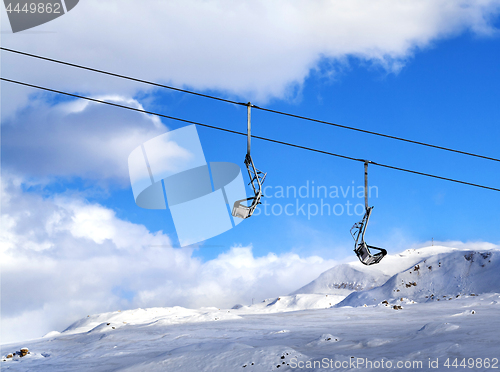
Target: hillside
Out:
[442,277]
[344,279]
[432,305]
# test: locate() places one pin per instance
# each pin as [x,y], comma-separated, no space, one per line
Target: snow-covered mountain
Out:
[442,277]
[422,305]
[343,279]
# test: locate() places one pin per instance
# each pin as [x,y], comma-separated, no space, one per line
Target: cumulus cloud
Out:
[64,258]
[256,49]
[76,139]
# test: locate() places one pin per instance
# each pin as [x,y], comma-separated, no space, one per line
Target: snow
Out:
[438,278]
[292,303]
[149,317]
[344,279]
[351,313]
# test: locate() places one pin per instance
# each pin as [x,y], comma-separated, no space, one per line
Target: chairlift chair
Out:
[363,250]
[257,177]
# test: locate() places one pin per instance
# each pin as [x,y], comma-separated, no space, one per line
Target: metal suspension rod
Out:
[249,127]
[366,184]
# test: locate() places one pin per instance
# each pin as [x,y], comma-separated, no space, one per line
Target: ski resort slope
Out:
[371,325]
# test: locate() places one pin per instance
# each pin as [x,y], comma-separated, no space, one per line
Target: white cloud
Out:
[64,258]
[479,245]
[254,49]
[76,138]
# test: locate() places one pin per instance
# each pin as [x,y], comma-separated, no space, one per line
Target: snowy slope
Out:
[466,327]
[335,284]
[344,279]
[292,303]
[441,277]
[450,309]
[158,315]
[395,263]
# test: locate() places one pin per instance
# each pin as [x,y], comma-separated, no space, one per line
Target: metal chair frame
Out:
[363,250]
[256,176]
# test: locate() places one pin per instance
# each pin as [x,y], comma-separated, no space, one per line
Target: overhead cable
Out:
[245,134]
[245,104]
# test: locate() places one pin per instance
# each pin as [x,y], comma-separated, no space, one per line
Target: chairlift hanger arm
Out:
[249,127]
[256,177]
[366,184]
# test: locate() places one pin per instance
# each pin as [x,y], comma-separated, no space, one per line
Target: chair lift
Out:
[363,250]
[257,177]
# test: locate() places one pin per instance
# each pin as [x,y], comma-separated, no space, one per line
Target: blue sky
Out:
[72,231]
[445,95]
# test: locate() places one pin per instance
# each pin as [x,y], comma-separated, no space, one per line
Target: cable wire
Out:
[245,104]
[245,134]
